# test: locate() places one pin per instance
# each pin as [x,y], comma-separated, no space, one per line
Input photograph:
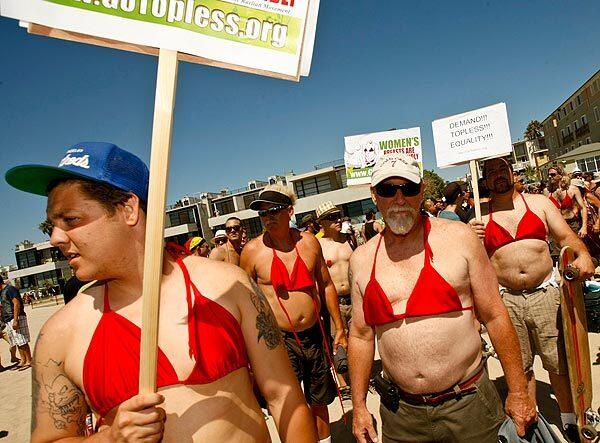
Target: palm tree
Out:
[46,227]
[530,174]
[534,130]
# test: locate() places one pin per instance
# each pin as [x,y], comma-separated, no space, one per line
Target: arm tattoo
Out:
[265,320]
[60,398]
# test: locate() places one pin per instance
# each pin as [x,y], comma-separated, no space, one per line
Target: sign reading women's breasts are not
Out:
[274,36]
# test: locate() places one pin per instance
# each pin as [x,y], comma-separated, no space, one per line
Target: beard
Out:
[502,186]
[400,219]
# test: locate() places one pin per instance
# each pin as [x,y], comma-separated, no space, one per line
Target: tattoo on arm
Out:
[58,397]
[265,320]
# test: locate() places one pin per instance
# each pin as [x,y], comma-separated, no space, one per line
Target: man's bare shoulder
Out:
[253,246]
[364,253]
[451,231]
[72,316]
[218,253]
[538,200]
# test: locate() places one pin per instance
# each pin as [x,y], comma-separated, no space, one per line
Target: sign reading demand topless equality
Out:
[472,135]
[272,36]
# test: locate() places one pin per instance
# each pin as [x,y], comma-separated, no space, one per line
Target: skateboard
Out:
[577,345]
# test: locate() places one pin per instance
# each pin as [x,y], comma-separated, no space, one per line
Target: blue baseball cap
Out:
[95,161]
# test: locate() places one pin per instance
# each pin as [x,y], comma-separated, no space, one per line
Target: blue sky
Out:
[376,65]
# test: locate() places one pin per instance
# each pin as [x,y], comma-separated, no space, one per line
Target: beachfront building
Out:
[327,181]
[575,126]
[39,265]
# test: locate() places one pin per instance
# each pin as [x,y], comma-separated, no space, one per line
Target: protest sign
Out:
[260,36]
[472,135]
[363,151]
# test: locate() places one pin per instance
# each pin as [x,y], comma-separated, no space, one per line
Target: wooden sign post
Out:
[475,186]
[164,103]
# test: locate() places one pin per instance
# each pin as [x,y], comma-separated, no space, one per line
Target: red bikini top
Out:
[566,203]
[432,294]
[299,279]
[112,362]
[530,227]
[555,201]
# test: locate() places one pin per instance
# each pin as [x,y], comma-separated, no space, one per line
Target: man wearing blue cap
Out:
[87,354]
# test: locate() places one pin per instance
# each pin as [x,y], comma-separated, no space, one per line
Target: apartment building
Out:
[39,265]
[576,121]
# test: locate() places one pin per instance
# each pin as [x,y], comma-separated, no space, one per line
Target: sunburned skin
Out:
[337,257]
[299,304]
[435,351]
[526,263]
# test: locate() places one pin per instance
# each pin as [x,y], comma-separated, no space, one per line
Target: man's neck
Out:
[236,245]
[334,234]
[505,198]
[280,239]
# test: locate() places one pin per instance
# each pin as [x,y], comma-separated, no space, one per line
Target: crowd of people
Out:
[276,321]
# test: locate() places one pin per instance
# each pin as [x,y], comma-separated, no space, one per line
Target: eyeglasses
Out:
[389,190]
[220,241]
[235,228]
[552,174]
[333,217]
[274,210]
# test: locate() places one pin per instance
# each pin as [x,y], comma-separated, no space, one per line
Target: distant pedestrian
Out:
[197,246]
[13,314]
[371,227]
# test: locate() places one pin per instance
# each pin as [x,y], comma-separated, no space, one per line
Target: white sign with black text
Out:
[472,135]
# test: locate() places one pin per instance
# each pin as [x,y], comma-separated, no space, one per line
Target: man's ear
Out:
[131,210]
[373,195]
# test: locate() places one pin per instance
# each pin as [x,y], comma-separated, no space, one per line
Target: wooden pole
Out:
[475,186]
[166,86]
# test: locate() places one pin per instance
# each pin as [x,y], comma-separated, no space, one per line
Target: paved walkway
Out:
[15,390]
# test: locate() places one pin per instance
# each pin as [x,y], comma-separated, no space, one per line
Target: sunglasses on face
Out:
[388,190]
[552,174]
[274,210]
[235,228]
[333,217]
[220,241]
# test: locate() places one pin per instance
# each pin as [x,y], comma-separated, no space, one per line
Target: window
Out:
[26,259]
[578,101]
[182,217]
[558,115]
[588,140]
[358,208]
[568,129]
[579,143]
[576,125]
[225,206]
[253,227]
[570,106]
[596,114]
[342,179]
[584,120]
[313,186]
[249,198]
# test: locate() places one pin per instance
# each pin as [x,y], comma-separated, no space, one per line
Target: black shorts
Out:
[311,366]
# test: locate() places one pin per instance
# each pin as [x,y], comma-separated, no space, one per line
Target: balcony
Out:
[568,139]
[581,131]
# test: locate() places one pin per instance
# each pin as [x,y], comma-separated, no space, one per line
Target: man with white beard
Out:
[416,287]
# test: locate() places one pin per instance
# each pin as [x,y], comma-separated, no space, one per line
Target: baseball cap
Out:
[193,243]
[95,161]
[396,165]
[272,197]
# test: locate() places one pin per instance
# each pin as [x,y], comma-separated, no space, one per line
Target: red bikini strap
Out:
[289,321]
[490,209]
[428,252]
[106,303]
[329,357]
[525,201]
[192,324]
[375,257]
